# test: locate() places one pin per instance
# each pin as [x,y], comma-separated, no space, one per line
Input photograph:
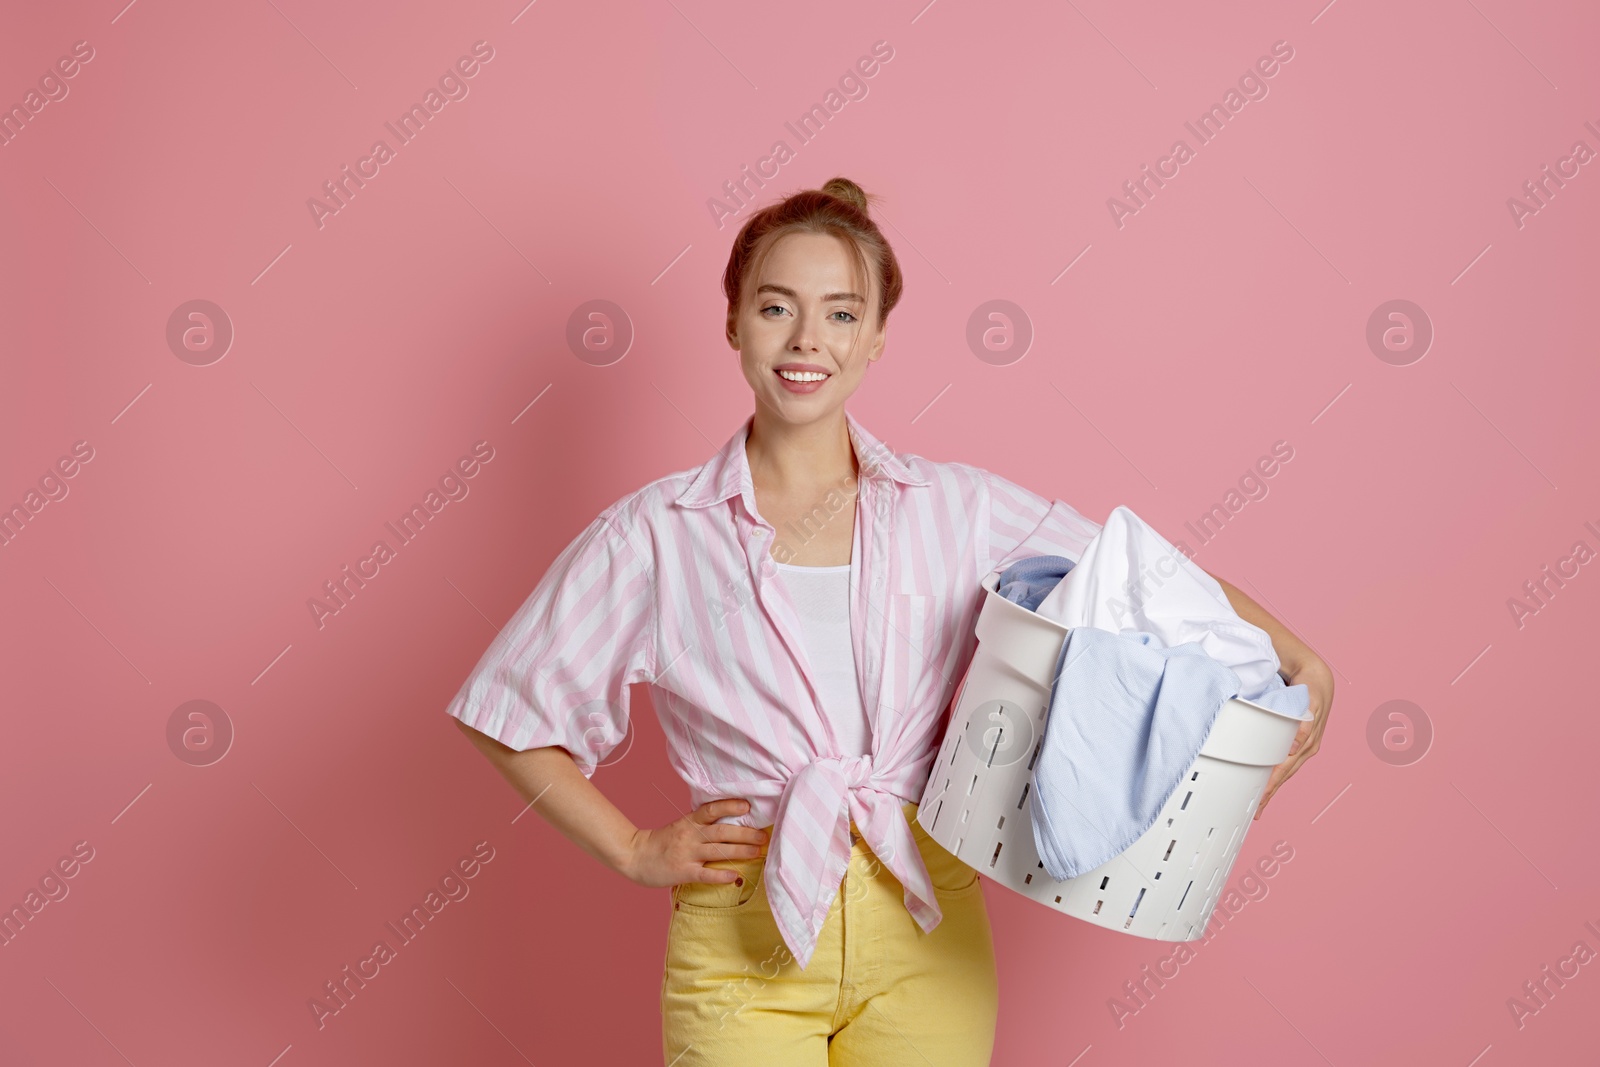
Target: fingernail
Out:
[738,881]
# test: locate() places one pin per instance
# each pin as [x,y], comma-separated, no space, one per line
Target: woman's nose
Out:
[804,338]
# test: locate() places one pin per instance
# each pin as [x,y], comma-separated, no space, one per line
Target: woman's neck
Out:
[785,458]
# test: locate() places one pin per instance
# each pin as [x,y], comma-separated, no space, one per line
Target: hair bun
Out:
[848,191]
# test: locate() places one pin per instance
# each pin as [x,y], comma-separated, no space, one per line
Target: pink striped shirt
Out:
[674,586]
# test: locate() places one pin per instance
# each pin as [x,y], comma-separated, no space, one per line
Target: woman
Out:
[800,606]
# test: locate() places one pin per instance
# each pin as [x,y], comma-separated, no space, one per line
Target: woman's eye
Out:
[780,308]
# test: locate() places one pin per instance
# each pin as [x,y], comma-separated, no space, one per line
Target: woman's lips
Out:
[802,387]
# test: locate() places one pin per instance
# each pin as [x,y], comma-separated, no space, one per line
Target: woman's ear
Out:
[877,347]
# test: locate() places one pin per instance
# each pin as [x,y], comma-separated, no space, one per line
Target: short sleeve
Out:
[558,673]
[1021,523]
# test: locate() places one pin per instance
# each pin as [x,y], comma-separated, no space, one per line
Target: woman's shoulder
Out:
[649,501]
[966,479]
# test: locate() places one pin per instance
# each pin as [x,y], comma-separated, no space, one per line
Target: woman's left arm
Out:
[1296,664]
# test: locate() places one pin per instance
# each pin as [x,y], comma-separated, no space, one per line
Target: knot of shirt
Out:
[810,846]
[852,772]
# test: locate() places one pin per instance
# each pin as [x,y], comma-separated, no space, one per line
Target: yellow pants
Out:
[878,991]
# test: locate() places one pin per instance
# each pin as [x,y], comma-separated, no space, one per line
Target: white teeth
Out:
[802,375]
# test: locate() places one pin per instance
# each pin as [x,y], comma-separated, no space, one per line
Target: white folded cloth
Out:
[1130,579]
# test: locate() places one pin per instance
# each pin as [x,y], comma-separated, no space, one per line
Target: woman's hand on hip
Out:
[677,852]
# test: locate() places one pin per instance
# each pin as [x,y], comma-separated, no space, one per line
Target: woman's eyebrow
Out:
[786,291]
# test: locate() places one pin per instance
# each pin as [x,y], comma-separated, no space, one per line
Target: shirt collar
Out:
[727,473]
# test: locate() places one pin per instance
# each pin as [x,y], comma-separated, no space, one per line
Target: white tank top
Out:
[821,597]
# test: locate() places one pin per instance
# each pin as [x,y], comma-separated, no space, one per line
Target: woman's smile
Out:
[802,377]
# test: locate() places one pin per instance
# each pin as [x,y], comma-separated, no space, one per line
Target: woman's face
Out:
[803,314]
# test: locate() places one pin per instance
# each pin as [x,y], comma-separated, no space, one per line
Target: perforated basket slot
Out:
[1134,910]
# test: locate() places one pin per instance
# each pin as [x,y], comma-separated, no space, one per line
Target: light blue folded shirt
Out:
[1127,719]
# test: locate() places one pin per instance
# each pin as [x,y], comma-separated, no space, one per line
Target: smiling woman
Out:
[803,688]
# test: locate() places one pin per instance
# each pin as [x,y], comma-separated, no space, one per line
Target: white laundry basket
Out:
[975,804]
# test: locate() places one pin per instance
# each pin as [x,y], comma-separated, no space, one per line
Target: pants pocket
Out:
[950,875]
[721,897]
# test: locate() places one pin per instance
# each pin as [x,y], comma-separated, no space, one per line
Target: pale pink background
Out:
[1227,315]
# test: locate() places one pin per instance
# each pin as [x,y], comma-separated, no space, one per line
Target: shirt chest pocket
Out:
[917,650]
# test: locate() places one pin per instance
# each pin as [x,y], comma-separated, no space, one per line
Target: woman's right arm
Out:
[574,805]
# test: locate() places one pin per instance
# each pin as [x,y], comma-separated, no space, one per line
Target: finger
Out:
[719,851]
[1292,764]
[1302,735]
[1266,798]
[716,876]
[736,834]
[712,810]
[1280,774]
[1273,782]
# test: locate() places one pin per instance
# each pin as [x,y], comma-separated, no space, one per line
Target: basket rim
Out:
[991,586]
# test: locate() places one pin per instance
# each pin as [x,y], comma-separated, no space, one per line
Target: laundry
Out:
[1130,578]
[1153,650]
[1127,719]
[1028,581]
